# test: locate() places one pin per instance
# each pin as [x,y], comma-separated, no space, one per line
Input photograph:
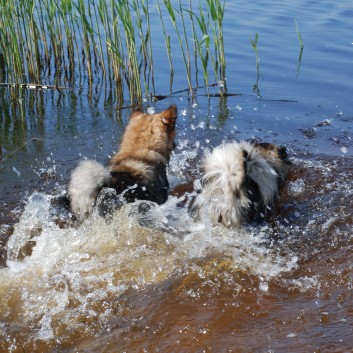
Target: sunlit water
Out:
[126,285]
[159,280]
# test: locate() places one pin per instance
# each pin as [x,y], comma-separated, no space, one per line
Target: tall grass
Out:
[61,42]
[216,9]
[209,17]
[184,47]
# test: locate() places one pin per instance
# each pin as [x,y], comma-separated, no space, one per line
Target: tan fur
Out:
[137,170]
[148,140]
[276,156]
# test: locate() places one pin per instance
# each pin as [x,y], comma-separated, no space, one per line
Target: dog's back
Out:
[138,169]
[143,156]
[241,181]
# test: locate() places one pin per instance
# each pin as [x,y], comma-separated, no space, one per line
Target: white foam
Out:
[65,273]
[100,246]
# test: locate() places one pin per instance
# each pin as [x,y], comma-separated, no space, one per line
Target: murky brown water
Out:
[285,286]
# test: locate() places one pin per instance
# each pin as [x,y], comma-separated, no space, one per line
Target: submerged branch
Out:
[17,149]
[35,86]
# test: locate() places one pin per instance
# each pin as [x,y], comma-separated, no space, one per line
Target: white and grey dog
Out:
[240,182]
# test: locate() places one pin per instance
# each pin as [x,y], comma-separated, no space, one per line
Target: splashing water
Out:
[68,279]
[61,274]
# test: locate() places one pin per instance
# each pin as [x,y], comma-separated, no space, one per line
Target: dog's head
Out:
[164,120]
[277,156]
[152,132]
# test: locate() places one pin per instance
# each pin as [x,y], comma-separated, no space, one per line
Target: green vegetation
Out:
[62,42]
[257,61]
[301,47]
[299,35]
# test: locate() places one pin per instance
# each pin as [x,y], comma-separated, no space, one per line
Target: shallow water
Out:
[287,283]
[181,285]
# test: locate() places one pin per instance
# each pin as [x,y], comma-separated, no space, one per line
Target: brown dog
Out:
[138,169]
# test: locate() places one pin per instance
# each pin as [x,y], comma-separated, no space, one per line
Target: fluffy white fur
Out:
[86,180]
[224,197]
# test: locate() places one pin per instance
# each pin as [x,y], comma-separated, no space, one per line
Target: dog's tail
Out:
[224,174]
[86,181]
[225,167]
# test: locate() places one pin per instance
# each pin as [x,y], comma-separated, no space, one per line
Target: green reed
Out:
[254,44]
[57,41]
[210,25]
[216,9]
[301,47]
[299,35]
[203,44]
[183,45]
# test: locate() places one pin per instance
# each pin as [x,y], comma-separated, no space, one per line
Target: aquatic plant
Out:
[183,47]
[216,9]
[212,19]
[63,42]
[301,47]
[202,45]
[299,35]
[257,61]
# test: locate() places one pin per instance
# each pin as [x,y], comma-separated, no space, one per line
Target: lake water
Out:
[284,286]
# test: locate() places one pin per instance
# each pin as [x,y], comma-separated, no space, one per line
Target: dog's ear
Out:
[137,111]
[246,156]
[169,116]
[283,155]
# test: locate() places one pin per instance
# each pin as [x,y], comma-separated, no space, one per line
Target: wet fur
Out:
[241,182]
[136,171]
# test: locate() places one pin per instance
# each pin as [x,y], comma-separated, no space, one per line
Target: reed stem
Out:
[58,40]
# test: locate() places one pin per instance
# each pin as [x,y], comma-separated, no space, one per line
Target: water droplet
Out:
[150,110]
[263,286]
[16,171]
[202,125]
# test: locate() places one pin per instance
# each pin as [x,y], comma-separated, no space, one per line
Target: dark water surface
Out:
[284,286]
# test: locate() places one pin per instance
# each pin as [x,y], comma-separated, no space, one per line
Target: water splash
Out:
[68,271]
[63,277]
